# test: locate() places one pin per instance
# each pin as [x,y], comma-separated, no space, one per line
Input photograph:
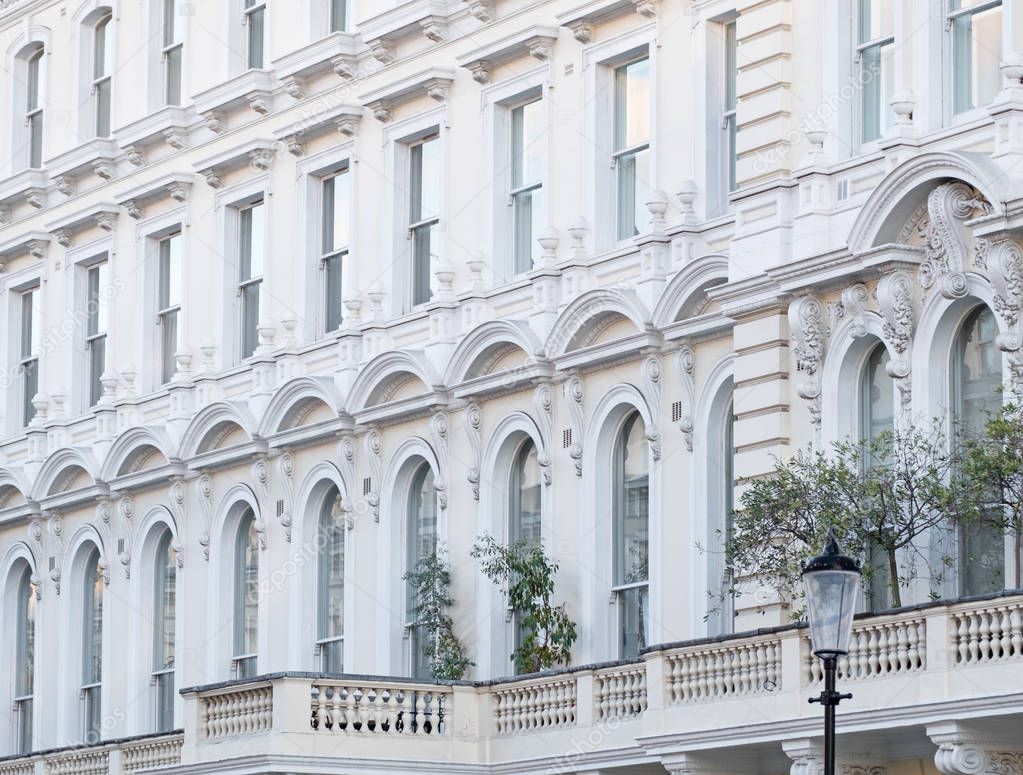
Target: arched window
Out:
[92,649]
[35,80]
[24,655]
[877,416]
[421,544]
[631,504]
[172,50]
[246,595]
[330,598]
[976,383]
[102,72]
[524,509]
[164,605]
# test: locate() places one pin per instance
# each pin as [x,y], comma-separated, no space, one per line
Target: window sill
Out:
[27,186]
[252,89]
[96,157]
[336,51]
[168,124]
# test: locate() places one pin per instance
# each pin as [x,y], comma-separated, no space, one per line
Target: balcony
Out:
[116,757]
[737,704]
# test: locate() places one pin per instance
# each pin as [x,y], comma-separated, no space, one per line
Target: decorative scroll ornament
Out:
[286,465]
[346,456]
[945,251]
[261,473]
[543,401]
[854,307]
[652,388]
[374,448]
[177,495]
[808,332]
[687,376]
[574,396]
[1005,269]
[439,432]
[204,485]
[126,511]
[954,758]
[473,421]
[896,296]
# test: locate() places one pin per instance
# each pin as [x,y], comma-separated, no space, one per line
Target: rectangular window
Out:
[425,175]
[336,204]
[172,52]
[255,21]
[251,255]
[338,15]
[169,302]
[97,312]
[34,109]
[24,680]
[875,50]
[728,116]
[527,132]
[102,69]
[976,28]
[29,355]
[631,155]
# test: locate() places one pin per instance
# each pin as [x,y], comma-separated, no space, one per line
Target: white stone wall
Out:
[679,315]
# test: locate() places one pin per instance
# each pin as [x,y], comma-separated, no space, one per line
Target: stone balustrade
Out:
[535,705]
[878,647]
[621,692]
[988,633]
[711,672]
[389,709]
[115,757]
[241,712]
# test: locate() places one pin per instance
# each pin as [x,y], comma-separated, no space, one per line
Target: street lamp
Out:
[831,582]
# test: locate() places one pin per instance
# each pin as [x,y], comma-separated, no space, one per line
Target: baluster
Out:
[682,679]
[984,644]
[902,639]
[1005,645]
[886,664]
[1016,627]
[973,630]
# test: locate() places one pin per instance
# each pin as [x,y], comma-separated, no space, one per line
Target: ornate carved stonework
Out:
[687,375]
[286,465]
[439,432]
[574,396]
[543,400]
[374,449]
[808,332]
[473,420]
[896,296]
[945,248]
[204,486]
[652,388]
[854,307]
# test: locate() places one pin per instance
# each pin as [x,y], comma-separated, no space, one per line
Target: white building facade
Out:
[295,291]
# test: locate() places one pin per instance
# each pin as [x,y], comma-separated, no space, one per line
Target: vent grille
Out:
[280,507]
[566,438]
[676,411]
[120,546]
[842,190]
[367,485]
[53,563]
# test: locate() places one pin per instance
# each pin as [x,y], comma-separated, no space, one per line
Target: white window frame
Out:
[23,699]
[164,313]
[948,65]
[93,299]
[102,80]
[172,17]
[242,661]
[400,136]
[28,357]
[149,233]
[162,677]
[619,155]
[324,642]
[409,624]
[260,7]
[600,175]
[91,687]
[498,102]
[860,49]
[230,201]
[78,260]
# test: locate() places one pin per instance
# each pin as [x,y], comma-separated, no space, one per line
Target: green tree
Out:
[430,583]
[527,574]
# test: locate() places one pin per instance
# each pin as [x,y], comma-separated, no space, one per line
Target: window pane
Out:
[332,292]
[103,108]
[633,192]
[246,608]
[878,79]
[976,56]
[92,622]
[97,364]
[103,49]
[27,324]
[631,503]
[336,209]
[25,677]
[24,710]
[527,143]
[170,271]
[878,396]
[173,74]
[169,22]
[524,494]
[98,283]
[30,375]
[425,180]
[35,72]
[256,37]
[526,215]
[250,318]
[165,599]
[35,130]
[731,66]
[338,15]
[331,567]
[168,344]
[165,702]
[633,615]
[421,262]
[632,104]
[876,19]
[421,543]
[253,241]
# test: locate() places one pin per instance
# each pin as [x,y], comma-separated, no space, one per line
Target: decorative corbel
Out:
[348,127]
[652,389]
[482,10]
[480,72]
[176,138]
[261,475]
[473,421]
[106,221]
[295,87]
[374,449]
[104,169]
[897,299]
[178,191]
[63,238]
[345,67]
[346,458]
[381,111]
[212,178]
[65,184]
[435,28]
[134,156]
[944,264]
[582,31]
[686,374]
[286,465]
[1005,269]
[854,307]
[574,396]
[382,51]
[439,435]
[808,332]
[204,485]
[543,402]
[261,159]
[126,512]
[260,102]
[214,121]
[177,494]
[133,208]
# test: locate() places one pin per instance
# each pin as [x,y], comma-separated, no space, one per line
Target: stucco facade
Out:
[268,261]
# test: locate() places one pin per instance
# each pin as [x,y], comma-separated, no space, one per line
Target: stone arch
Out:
[216,425]
[486,349]
[136,449]
[390,376]
[685,294]
[66,469]
[300,401]
[590,315]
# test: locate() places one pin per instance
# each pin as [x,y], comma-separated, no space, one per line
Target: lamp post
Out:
[831,581]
